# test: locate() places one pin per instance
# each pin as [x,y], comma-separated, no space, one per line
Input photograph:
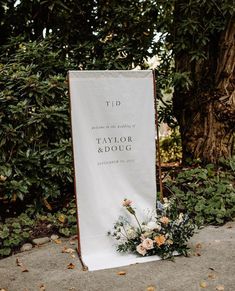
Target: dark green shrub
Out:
[208,194]
[35,143]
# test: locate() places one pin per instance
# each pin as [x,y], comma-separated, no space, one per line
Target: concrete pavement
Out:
[210,267]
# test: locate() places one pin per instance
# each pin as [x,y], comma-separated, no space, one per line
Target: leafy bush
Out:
[14,232]
[208,194]
[35,143]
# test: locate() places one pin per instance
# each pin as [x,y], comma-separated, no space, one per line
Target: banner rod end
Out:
[84,267]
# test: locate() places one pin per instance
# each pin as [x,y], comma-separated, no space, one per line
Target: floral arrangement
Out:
[162,235]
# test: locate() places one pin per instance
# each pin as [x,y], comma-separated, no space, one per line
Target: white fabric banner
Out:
[113,128]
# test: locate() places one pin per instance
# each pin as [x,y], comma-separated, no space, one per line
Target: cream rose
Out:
[131,233]
[141,250]
[147,244]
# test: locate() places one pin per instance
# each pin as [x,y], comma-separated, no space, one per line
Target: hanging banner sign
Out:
[113,129]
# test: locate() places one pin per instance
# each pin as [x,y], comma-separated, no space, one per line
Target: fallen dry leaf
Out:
[64,249]
[3,289]
[121,273]
[42,287]
[198,246]
[73,256]
[57,241]
[71,266]
[68,250]
[203,284]
[151,288]
[73,240]
[20,264]
[74,237]
[211,276]
[219,288]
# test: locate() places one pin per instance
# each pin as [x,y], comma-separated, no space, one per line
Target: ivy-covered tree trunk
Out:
[205,109]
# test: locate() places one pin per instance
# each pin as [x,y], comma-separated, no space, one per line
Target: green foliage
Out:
[207,194]
[14,232]
[35,143]
[202,20]
[64,221]
[171,148]
[188,26]
[96,34]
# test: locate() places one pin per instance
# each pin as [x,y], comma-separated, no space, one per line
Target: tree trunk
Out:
[206,112]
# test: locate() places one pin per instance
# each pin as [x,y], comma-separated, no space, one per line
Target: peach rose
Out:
[160,240]
[164,220]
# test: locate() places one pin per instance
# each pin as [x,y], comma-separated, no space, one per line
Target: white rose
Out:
[131,233]
[166,203]
[153,225]
[180,217]
[144,227]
